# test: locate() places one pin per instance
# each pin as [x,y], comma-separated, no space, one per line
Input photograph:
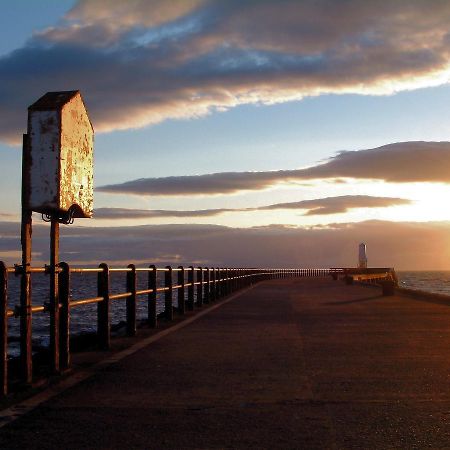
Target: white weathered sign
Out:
[61,140]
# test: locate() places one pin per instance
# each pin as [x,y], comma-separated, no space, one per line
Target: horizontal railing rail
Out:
[193,286]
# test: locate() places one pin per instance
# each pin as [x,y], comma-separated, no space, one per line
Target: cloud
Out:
[143,61]
[398,163]
[8,216]
[416,246]
[340,204]
[328,205]
[128,213]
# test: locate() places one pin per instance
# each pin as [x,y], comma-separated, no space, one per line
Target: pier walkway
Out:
[292,364]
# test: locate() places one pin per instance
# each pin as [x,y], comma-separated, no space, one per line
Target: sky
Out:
[275,133]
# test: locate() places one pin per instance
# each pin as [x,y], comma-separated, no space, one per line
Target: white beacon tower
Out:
[362,256]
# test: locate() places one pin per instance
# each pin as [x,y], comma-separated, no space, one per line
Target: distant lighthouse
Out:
[362,256]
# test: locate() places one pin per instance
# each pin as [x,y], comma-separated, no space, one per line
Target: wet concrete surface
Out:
[290,364]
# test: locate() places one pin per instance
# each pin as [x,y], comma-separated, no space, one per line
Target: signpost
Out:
[57,181]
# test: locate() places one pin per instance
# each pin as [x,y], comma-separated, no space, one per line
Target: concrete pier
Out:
[307,363]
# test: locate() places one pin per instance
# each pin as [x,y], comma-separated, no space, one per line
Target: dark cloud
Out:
[142,61]
[329,205]
[399,163]
[402,245]
[127,213]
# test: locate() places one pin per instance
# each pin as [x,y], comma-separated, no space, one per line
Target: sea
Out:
[84,319]
[437,282]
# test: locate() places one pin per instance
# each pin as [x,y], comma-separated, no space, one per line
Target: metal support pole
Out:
[218,283]
[54,295]
[191,278]
[223,284]
[200,287]
[168,312]
[3,330]
[131,301]
[206,288]
[64,316]
[103,307]
[181,304]
[152,317]
[26,363]
[213,284]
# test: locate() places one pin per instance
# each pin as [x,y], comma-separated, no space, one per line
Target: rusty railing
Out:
[194,286]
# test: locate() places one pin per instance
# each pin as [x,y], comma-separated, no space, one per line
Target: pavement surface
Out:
[290,364]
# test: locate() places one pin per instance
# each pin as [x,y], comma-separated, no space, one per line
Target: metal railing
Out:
[201,284]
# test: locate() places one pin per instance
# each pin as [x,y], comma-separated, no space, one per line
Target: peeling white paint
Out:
[61,170]
[44,170]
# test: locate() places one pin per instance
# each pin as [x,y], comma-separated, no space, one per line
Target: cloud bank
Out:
[401,162]
[143,61]
[401,245]
[322,206]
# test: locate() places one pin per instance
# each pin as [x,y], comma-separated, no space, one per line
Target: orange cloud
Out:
[329,205]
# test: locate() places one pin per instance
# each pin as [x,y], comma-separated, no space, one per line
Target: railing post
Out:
[229,281]
[215,284]
[3,330]
[232,280]
[103,307]
[26,360]
[64,316]
[168,311]
[218,283]
[152,317]
[131,300]
[200,287]
[180,279]
[191,279]
[225,282]
[54,295]
[212,285]
[207,290]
